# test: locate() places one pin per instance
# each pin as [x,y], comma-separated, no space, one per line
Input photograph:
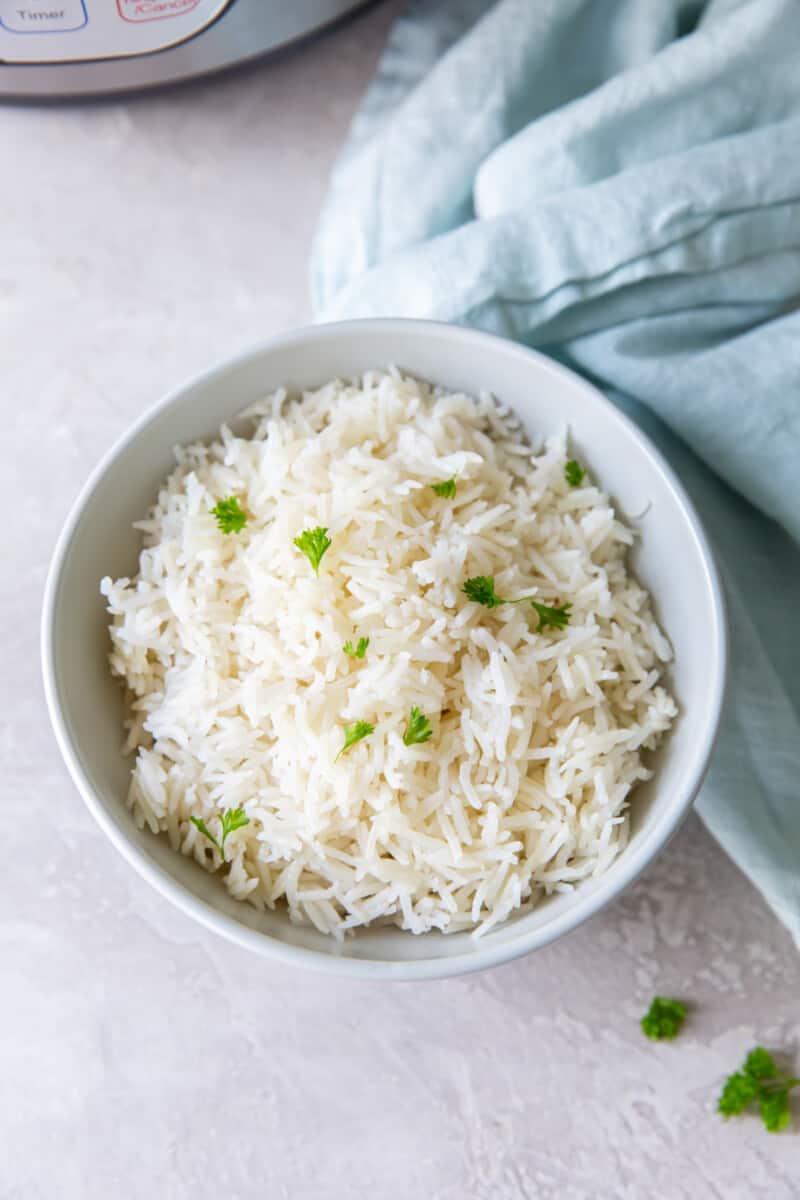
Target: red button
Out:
[154,10]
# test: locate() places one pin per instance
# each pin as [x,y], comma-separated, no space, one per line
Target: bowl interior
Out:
[670,558]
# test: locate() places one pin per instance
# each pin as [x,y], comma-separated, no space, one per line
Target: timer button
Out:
[32,16]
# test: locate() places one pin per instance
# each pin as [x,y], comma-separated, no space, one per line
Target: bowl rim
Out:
[482,954]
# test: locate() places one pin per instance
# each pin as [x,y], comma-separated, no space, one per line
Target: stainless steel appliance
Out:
[53,48]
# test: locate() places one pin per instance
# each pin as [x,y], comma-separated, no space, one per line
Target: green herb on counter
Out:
[663,1019]
[759,1082]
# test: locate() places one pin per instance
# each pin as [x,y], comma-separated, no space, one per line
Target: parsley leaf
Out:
[760,1064]
[481,589]
[664,1018]
[201,825]
[354,733]
[557,617]
[574,473]
[418,729]
[313,543]
[759,1081]
[230,515]
[774,1109]
[446,489]
[232,818]
[359,651]
[739,1091]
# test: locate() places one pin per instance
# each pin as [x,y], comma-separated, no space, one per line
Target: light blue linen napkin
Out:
[617,182]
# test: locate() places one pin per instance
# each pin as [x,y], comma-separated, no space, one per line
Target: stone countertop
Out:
[141,1056]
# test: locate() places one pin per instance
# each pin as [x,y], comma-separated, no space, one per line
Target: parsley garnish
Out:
[574,473]
[230,515]
[313,543]
[664,1018]
[760,1064]
[446,489]
[418,729]
[359,651]
[232,818]
[739,1091]
[481,589]
[773,1105]
[353,734]
[557,617]
[759,1081]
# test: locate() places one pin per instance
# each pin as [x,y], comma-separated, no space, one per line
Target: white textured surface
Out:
[139,1056]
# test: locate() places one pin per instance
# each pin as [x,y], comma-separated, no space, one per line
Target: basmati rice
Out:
[232,652]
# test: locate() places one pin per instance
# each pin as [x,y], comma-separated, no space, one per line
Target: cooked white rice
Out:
[239,688]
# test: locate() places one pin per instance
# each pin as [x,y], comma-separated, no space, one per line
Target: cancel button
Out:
[31,16]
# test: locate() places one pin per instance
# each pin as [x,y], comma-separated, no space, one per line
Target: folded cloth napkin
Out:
[617,182]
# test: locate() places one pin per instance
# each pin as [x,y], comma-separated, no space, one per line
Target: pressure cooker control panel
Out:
[76,30]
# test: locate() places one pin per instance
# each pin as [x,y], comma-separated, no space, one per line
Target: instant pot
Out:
[91,47]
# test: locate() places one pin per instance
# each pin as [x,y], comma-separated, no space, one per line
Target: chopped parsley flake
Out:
[418,729]
[480,589]
[558,618]
[758,1082]
[359,651]
[574,473]
[232,818]
[354,733]
[664,1018]
[313,543]
[230,515]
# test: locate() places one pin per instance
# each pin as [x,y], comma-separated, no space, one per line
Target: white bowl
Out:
[672,558]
